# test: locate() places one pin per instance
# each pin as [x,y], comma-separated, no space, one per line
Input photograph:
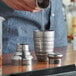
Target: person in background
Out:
[22,17]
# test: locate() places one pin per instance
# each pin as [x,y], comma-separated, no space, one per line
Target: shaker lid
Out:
[26,47]
[18,53]
[22,47]
[28,57]
[16,58]
[55,55]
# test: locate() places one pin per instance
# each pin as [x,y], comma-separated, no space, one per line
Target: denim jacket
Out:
[19,25]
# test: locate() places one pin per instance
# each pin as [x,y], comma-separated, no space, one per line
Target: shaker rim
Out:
[55,55]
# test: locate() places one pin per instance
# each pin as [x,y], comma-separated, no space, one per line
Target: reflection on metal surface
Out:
[55,59]
[29,68]
[22,55]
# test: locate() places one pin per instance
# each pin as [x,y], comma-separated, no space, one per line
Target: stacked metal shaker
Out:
[22,55]
[43,44]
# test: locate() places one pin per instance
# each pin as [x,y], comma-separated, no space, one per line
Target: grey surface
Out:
[60,74]
[64,74]
[59,71]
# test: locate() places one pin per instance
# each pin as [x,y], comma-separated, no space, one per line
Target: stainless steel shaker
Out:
[22,55]
[55,58]
[43,44]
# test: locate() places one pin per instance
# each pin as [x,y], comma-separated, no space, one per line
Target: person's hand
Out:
[24,5]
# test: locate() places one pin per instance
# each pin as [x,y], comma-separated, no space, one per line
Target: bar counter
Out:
[69,57]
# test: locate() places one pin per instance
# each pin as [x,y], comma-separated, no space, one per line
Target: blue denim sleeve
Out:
[58,23]
[19,26]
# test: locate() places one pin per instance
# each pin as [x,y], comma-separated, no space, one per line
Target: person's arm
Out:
[58,23]
[24,5]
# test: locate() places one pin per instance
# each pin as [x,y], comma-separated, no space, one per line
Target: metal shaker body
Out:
[43,44]
[22,55]
[55,58]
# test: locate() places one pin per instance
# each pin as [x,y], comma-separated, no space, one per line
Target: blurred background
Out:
[69,9]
